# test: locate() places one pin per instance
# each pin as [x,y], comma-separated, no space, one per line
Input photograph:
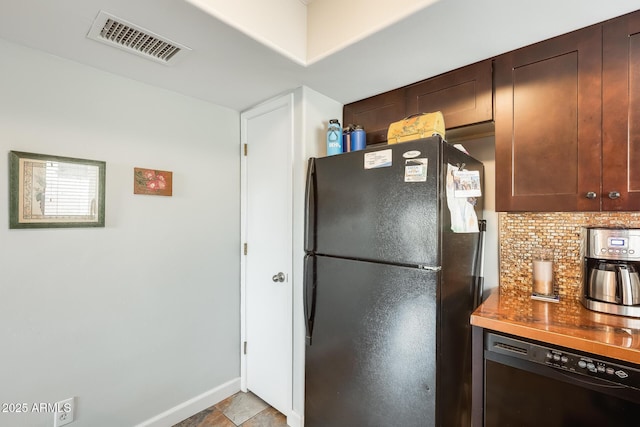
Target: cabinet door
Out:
[464,96]
[621,114]
[376,113]
[548,124]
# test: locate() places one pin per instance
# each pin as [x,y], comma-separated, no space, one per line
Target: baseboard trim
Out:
[295,420]
[192,406]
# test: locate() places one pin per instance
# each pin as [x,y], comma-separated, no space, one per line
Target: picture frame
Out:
[152,182]
[47,191]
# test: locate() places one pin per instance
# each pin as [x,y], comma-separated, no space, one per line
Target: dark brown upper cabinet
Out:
[621,114]
[464,96]
[548,125]
[567,121]
[376,113]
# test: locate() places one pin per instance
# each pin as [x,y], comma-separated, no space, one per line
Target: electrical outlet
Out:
[65,410]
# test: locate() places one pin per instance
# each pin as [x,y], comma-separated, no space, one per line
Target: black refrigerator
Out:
[392,254]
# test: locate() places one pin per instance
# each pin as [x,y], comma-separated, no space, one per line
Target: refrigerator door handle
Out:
[309,292]
[479,267]
[310,208]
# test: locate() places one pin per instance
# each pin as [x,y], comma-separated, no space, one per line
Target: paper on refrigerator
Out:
[462,188]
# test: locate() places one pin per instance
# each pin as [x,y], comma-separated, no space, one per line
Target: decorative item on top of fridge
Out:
[417,126]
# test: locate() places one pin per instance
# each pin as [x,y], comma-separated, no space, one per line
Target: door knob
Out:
[591,195]
[614,195]
[278,277]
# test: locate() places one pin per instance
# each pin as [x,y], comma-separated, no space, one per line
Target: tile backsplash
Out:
[520,233]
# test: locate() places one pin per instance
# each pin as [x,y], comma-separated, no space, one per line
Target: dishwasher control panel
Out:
[570,361]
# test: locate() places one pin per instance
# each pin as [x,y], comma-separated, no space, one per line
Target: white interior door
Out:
[267,131]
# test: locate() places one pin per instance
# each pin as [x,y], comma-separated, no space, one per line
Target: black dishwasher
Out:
[529,383]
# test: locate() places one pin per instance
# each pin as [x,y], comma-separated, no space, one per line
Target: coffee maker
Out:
[611,280]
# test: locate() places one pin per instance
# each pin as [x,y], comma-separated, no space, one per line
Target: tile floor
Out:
[240,410]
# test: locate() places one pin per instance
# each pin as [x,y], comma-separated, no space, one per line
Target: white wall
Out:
[279,24]
[309,33]
[313,111]
[335,24]
[142,315]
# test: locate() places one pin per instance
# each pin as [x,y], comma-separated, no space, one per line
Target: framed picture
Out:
[55,192]
[153,182]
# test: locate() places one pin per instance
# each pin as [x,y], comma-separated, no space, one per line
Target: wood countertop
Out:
[565,323]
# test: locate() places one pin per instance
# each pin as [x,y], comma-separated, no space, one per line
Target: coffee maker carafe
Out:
[611,278]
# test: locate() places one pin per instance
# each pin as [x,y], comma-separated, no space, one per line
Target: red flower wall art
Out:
[149,181]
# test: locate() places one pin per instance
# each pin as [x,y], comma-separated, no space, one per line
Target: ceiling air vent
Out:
[122,34]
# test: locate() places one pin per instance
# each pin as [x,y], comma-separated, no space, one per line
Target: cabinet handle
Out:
[614,195]
[591,195]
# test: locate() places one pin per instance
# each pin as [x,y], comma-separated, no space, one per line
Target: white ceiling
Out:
[230,69]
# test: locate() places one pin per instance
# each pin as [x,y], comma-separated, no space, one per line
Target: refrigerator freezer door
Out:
[372,359]
[378,204]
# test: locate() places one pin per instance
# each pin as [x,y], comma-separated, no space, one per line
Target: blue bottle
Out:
[346,139]
[358,138]
[334,138]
